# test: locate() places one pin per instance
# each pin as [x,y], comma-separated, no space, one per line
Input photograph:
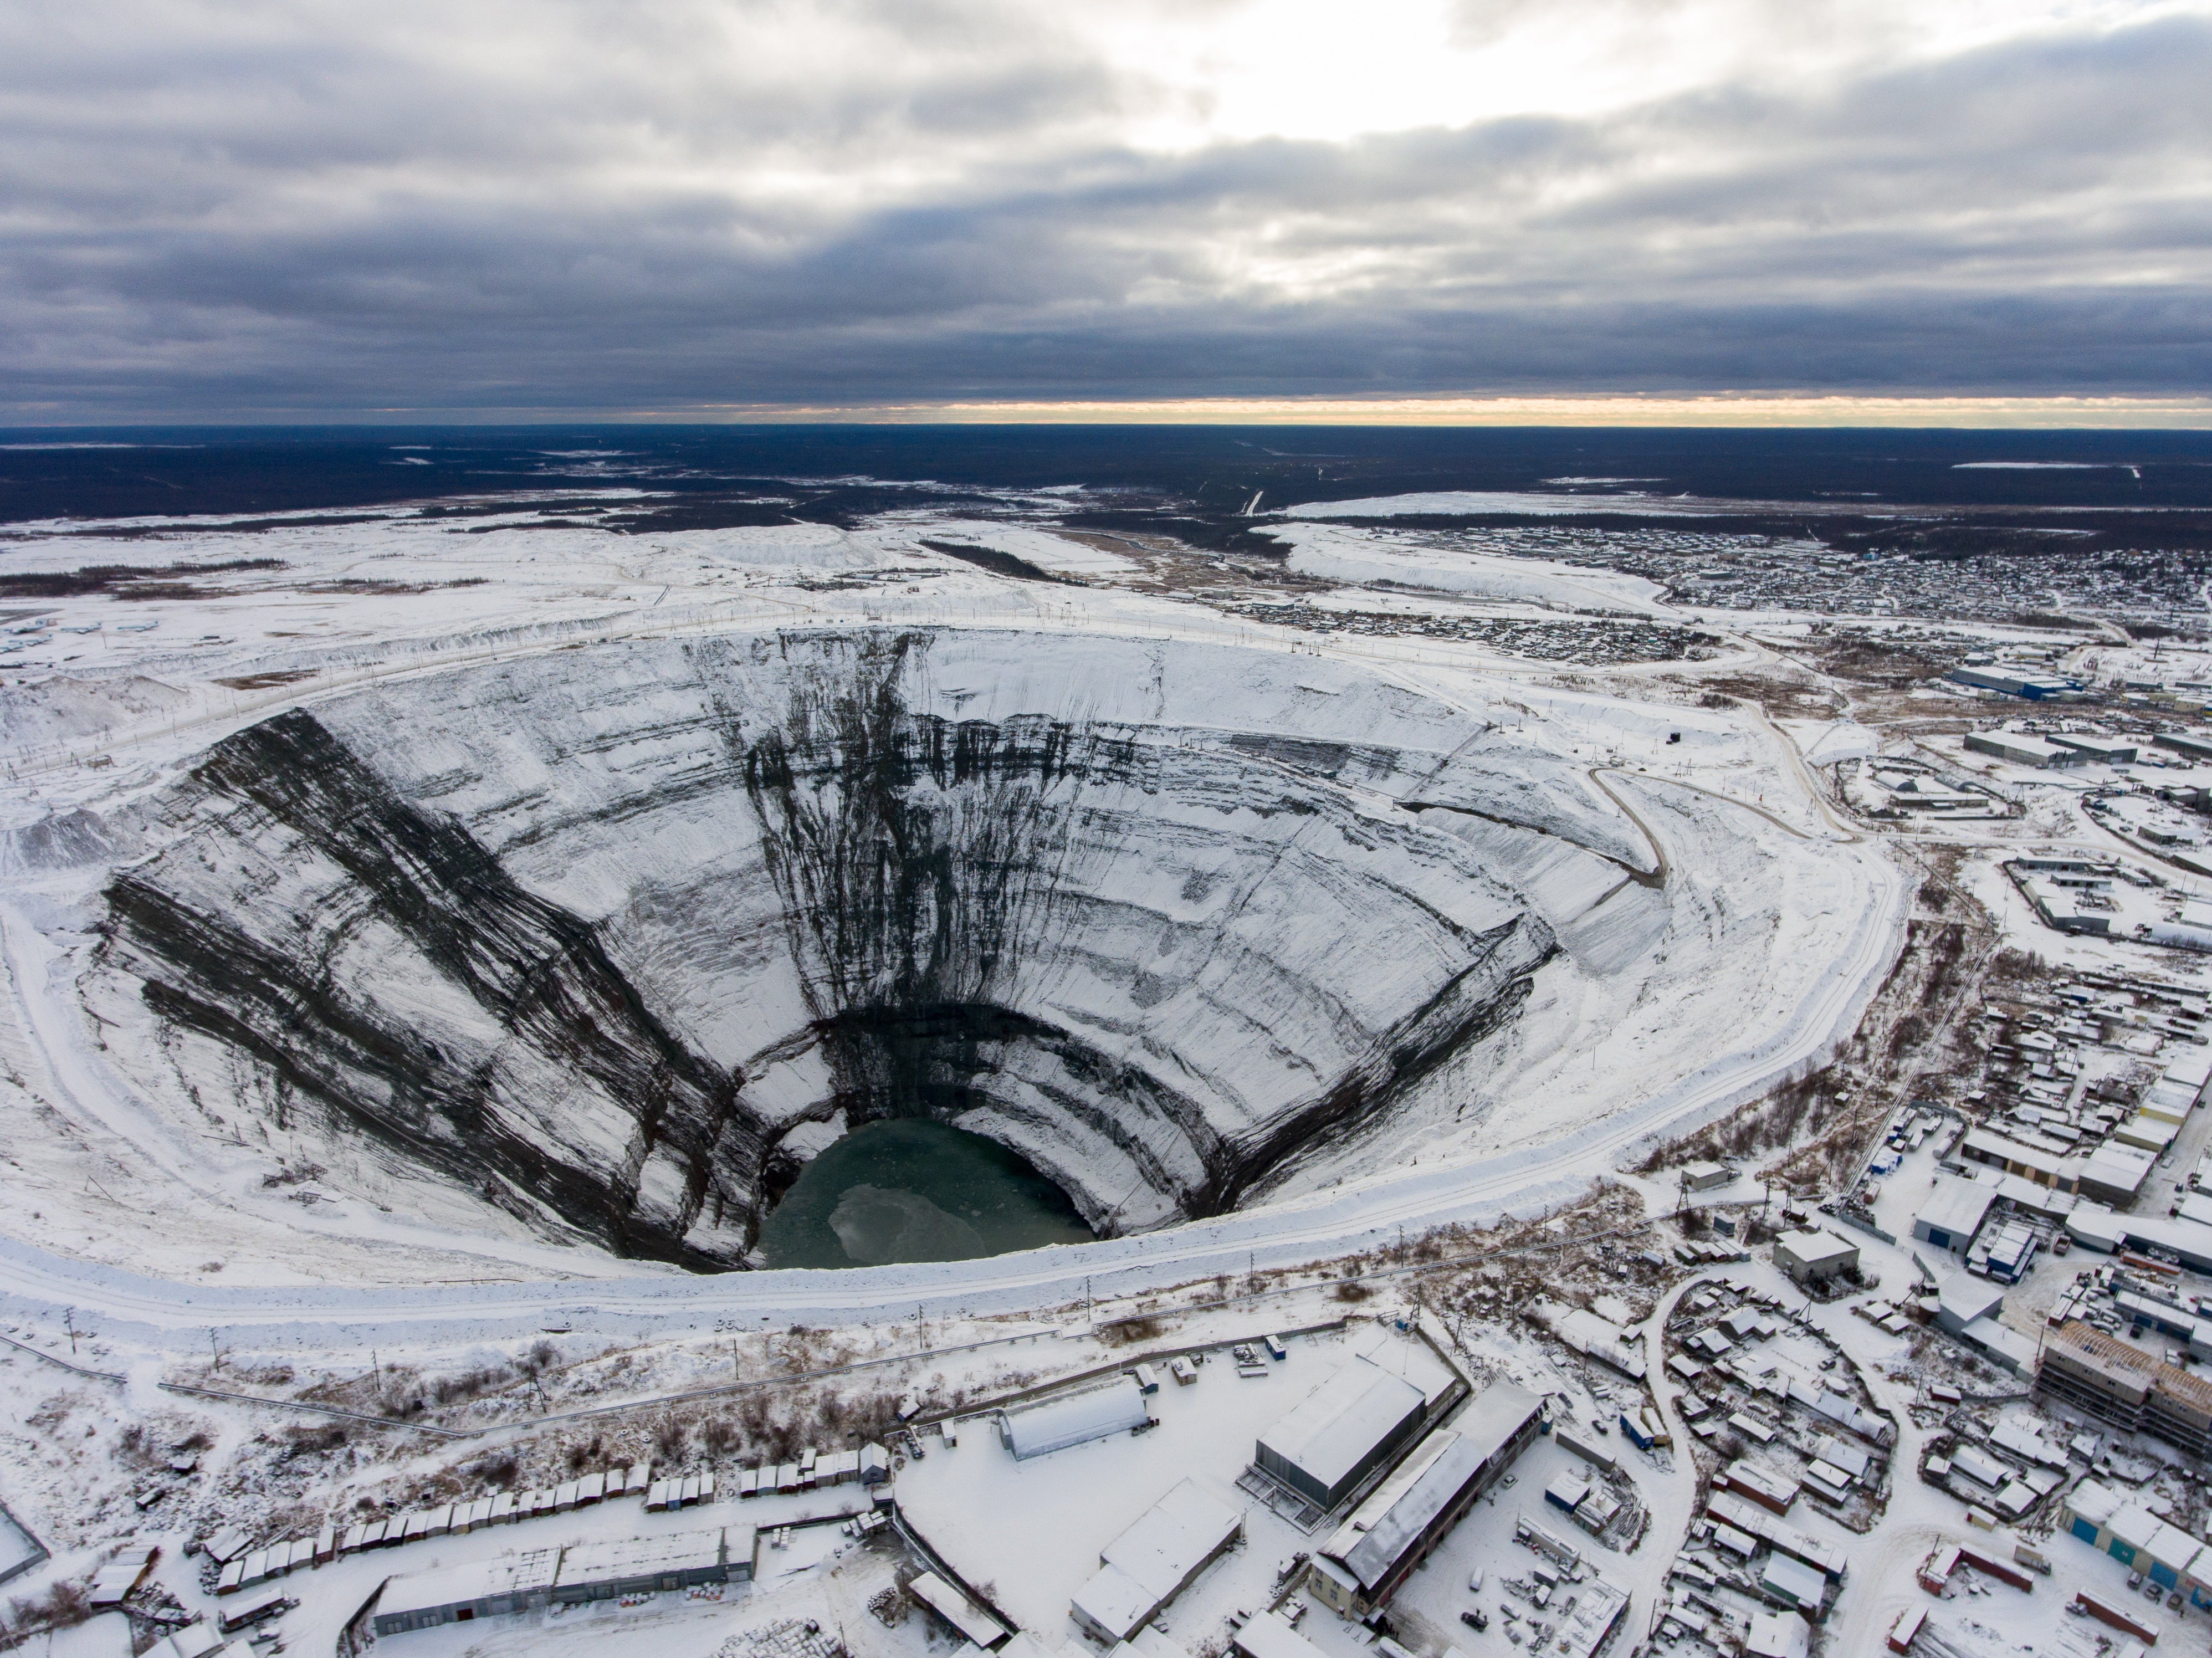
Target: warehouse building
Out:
[2034,689]
[2115,1174]
[1954,1213]
[2033,1163]
[458,1594]
[2119,1526]
[1341,1432]
[582,1571]
[2020,749]
[1269,1635]
[1154,1561]
[1361,1566]
[1036,1429]
[649,1565]
[2105,750]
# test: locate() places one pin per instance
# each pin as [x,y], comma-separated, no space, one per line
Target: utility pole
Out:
[69,1323]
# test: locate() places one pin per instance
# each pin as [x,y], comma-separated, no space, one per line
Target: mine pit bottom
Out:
[907,1189]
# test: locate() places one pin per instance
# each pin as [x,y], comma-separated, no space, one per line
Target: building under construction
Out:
[2117,1384]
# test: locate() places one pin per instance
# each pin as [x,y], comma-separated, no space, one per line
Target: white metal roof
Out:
[640,1557]
[1269,1637]
[1333,1430]
[531,1571]
[1149,1562]
[1055,1426]
[1381,1529]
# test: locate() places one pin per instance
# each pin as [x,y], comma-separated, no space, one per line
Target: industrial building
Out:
[2188,1237]
[2105,750]
[1075,1420]
[2119,1526]
[1954,1213]
[1154,1561]
[1361,1566]
[2115,1174]
[2068,904]
[2020,749]
[1811,1258]
[2113,1382]
[2034,688]
[1341,1432]
[582,1571]
[456,1594]
[2028,1161]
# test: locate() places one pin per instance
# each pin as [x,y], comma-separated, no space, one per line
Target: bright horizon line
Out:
[1593,410]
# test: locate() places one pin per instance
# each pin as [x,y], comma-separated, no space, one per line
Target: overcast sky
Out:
[293,207]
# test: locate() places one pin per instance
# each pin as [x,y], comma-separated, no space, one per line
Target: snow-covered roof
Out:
[1956,1207]
[1269,1637]
[1392,1520]
[1113,1605]
[1817,1249]
[531,1572]
[1335,1429]
[1494,1417]
[1778,1635]
[2120,1166]
[1793,1579]
[1148,1563]
[1093,1414]
[1853,1460]
[618,1559]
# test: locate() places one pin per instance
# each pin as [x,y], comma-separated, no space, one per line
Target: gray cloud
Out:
[215,210]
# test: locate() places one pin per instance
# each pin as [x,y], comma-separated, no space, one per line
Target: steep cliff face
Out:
[591,933]
[375,957]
